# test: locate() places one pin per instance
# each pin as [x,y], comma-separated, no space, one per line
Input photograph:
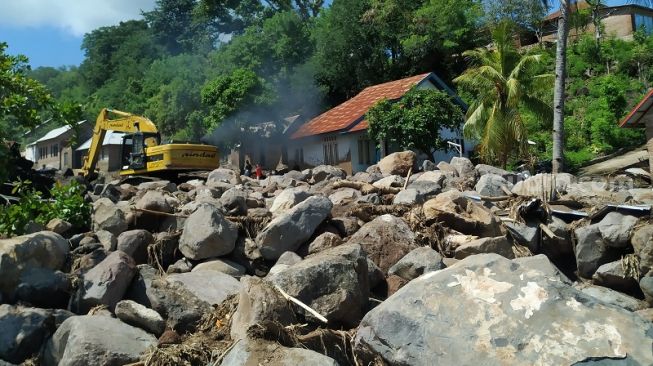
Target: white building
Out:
[339,135]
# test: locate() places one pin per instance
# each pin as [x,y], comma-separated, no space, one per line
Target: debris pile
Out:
[392,266]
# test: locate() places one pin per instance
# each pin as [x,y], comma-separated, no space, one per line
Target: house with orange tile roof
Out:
[339,135]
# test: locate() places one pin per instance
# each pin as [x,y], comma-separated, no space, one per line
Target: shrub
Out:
[66,203]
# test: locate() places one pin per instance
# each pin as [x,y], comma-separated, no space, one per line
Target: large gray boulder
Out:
[138,315]
[490,185]
[288,198]
[212,287]
[135,243]
[334,283]
[541,185]
[221,265]
[503,313]
[398,163]
[324,241]
[260,352]
[106,283]
[616,229]
[642,242]
[482,169]
[156,201]
[499,245]
[327,172]
[108,216]
[23,331]
[591,250]
[43,249]
[220,176]
[344,195]
[234,202]
[612,297]
[44,288]
[177,304]
[386,240]
[259,301]
[612,275]
[96,340]
[288,231]
[460,213]
[464,167]
[416,263]
[410,196]
[207,234]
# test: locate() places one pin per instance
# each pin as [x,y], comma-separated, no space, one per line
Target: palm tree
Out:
[504,83]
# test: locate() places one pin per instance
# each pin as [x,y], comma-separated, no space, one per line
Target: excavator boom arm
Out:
[127,122]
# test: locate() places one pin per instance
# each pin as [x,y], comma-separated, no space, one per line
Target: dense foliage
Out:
[194,65]
[66,203]
[506,84]
[415,121]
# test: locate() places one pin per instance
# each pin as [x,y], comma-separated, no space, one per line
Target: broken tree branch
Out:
[410,172]
[302,305]
[548,232]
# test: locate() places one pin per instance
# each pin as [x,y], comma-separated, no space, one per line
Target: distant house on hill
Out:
[339,135]
[110,158]
[55,149]
[619,21]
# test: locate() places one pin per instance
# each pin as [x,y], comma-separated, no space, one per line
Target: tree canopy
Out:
[192,65]
[416,121]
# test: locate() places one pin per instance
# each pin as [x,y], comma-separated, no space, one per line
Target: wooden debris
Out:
[302,305]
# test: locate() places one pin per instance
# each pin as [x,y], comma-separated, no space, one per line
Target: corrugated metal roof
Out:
[640,116]
[56,132]
[110,138]
[348,113]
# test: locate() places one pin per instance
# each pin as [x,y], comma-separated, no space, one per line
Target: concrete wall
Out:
[109,159]
[48,153]
[348,150]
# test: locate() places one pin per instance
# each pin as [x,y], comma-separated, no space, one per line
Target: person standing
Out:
[259,172]
[248,168]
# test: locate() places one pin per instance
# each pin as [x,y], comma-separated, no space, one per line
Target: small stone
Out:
[138,315]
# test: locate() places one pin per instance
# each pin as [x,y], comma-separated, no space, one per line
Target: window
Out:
[54,150]
[644,21]
[65,159]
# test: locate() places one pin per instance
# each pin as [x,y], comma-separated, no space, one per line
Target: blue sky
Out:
[50,32]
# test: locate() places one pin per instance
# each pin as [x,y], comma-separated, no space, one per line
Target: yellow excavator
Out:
[142,151]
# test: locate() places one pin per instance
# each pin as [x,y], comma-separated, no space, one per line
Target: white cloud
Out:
[74,16]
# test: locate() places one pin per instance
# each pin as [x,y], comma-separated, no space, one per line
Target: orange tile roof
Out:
[351,111]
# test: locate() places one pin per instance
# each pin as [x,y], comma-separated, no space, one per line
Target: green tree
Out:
[415,121]
[349,53]
[241,91]
[174,86]
[505,83]
[175,26]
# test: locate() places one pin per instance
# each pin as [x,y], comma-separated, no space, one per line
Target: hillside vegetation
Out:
[189,67]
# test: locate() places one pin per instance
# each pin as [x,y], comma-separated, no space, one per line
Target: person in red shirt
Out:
[259,172]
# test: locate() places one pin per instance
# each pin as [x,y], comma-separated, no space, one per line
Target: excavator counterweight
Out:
[142,152]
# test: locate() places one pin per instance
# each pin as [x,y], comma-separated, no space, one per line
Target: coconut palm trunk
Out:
[559,89]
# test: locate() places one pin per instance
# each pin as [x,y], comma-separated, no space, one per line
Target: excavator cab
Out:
[134,147]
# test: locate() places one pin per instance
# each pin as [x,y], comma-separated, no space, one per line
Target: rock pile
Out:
[452,264]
